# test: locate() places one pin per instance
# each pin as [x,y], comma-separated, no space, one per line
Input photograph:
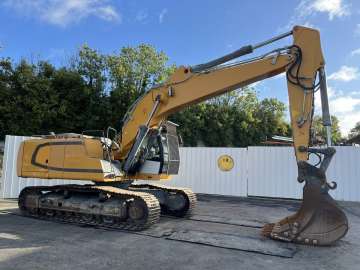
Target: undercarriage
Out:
[136,208]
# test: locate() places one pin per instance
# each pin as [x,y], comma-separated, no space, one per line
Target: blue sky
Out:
[190,32]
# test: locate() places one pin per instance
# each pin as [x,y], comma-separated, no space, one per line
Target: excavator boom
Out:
[190,85]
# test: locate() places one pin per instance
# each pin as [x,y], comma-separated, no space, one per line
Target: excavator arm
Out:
[189,85]
[319,221]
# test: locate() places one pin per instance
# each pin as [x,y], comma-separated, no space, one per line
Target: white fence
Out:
[199,171]
[272,172]
[258,171]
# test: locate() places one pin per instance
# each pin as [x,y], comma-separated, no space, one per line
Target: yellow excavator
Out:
[147,148]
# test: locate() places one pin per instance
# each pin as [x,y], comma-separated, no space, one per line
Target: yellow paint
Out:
[52,161]
[225,163]
[312,59]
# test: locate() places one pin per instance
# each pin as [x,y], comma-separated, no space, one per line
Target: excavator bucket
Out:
[319,221]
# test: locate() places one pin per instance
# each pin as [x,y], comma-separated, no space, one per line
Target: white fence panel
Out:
[199,171]
[10,183]
[272,172]
[344,169]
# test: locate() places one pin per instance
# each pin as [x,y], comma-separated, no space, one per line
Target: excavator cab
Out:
[155,151]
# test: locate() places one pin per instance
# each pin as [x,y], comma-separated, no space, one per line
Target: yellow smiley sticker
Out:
[225,163]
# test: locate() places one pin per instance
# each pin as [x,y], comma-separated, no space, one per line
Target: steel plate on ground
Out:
[237,242]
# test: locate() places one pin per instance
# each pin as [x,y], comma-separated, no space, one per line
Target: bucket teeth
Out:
[319,221]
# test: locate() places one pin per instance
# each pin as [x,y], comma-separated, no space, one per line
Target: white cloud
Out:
[308,24]
[345,73]
[345,107]
[334,8]
[108,13]
[162,14]
[348,121]
[309,8]
[141,15]
[64,12]
[355,52]
[344,104]
[331,94]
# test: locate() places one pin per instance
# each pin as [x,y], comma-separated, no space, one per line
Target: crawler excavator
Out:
[147,148]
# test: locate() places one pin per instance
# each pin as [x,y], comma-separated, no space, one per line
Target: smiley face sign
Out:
[225,163]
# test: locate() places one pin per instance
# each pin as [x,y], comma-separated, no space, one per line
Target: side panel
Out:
[93,148]
[33,155]
[60,159]
[77,165]
[10,183]
[56,160]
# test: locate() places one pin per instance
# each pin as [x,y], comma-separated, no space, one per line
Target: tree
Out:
[92,67]
[38,98]
[271,115]
[28,97]
[355,131]
[191,121]
[96,90]
[236,119]
[131,73]
[320,131]
[6,71]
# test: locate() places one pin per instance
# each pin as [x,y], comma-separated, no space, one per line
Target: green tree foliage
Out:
[37,98]
[96,90]
[234,119]
[355,131]
[320,132]
[131,73]
[93,93]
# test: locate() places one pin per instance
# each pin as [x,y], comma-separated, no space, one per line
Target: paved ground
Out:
[226,229]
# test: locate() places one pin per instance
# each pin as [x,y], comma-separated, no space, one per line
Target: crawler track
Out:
[190,196]
[36,202]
